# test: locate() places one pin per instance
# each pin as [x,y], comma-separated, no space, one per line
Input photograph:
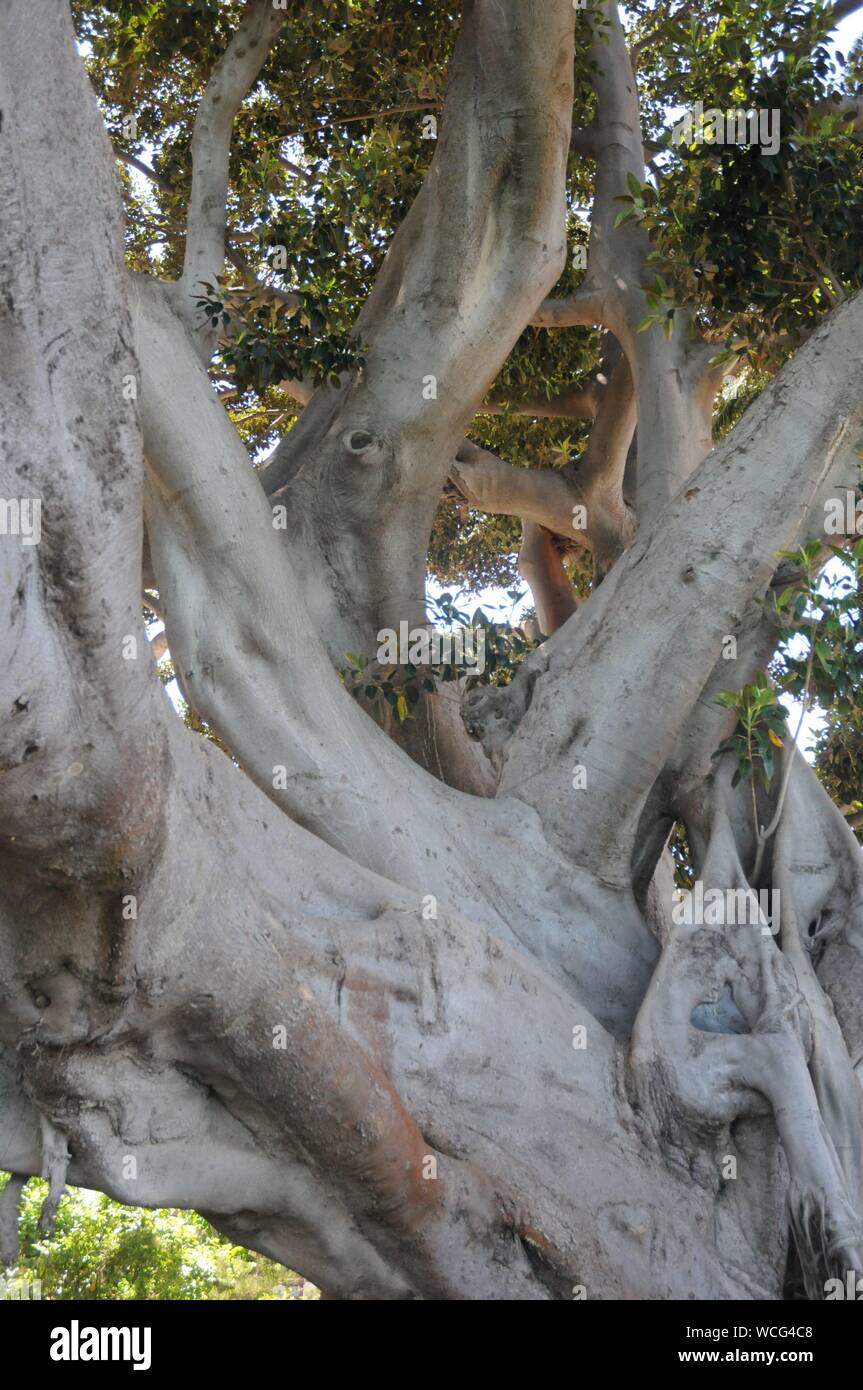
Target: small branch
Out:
[639,46]
[584,306]
[573,403]
[135,163]
[366,116]
[815,255]
[229,83]
[295,169]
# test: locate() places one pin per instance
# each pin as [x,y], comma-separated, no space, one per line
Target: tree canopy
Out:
[330,150]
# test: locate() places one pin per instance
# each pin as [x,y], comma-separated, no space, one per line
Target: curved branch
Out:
[674,386]
[502,155]
[484,240]
[584,502]
[541,567]
[545,496]
[134,162]
[229,83]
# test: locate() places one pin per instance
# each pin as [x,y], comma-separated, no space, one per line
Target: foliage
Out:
[329,152]
[401,686]
[259,349]
[759,244]
[824,609]
[101,1250]
[819,661]
[760,729]
[839,763]
[678,844]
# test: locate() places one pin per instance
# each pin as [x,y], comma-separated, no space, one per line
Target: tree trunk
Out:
[414,1042]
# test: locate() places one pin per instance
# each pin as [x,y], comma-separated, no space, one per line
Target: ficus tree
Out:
[302,303]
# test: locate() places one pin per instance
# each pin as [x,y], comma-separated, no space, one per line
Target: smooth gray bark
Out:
[413,1042]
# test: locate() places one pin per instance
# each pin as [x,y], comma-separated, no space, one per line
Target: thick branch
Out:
[245,648]
[584,307]
[362,473]
[77,698]
[583,502]
[545,496]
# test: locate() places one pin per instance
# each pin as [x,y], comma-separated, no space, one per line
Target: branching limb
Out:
[211,147]
[582,502]
[674,386]
[245,647]
[362,473]
[758,486]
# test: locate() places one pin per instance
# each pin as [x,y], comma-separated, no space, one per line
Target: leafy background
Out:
[328,155]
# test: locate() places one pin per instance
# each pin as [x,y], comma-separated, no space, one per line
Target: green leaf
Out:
[742,772]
